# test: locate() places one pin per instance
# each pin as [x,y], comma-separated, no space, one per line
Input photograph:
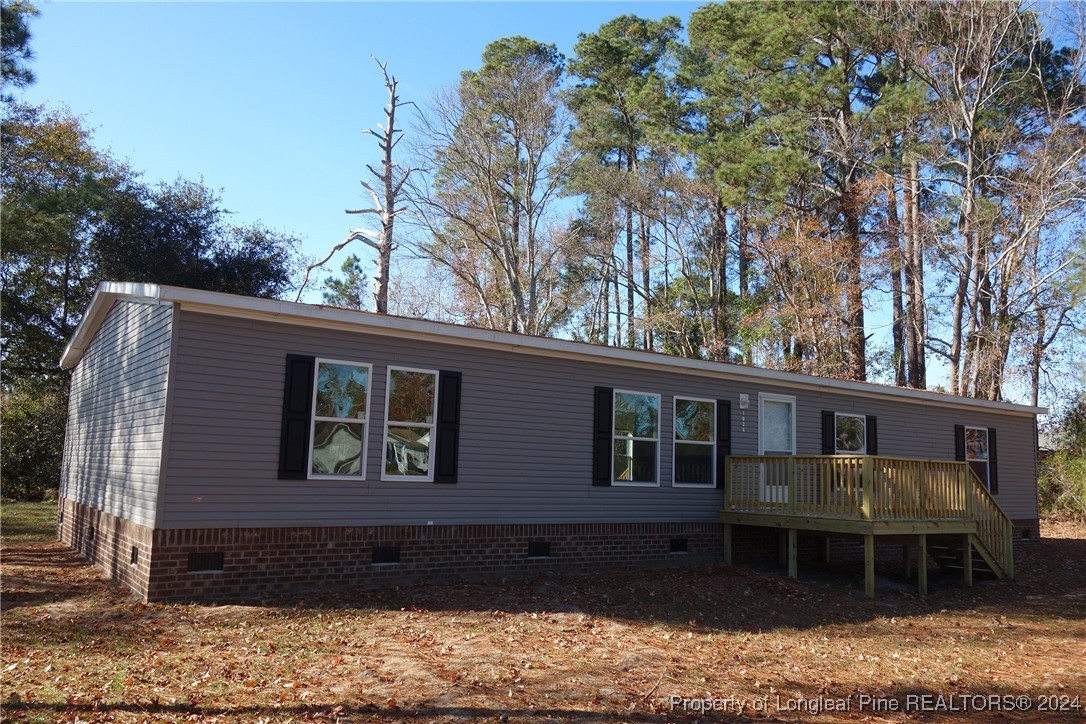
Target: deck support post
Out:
[826,548]
[906,559]
[1008,546]
[922,565]
[869,565]
[967,558]
[728,543]
[793,568]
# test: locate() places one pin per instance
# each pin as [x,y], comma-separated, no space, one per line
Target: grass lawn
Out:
[615,647]
[28,522]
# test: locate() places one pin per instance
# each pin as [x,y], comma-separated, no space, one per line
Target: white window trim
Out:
[836,450]
[675,441]
[429,477]
[772,397]
[614,438]
[987,461]
[314,419]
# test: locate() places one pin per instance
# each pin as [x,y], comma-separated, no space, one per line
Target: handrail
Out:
[869,488]
[994,528]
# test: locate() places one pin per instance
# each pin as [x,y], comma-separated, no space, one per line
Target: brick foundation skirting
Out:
[266,561]
[120,548]
[257,561]
[1026,531]
[233,563]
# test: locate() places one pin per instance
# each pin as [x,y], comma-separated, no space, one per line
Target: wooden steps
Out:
[948,553]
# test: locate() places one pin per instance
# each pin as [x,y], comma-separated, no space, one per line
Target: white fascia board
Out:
[386,325]
[102,301]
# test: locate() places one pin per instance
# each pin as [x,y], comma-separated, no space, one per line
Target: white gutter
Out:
[385,325]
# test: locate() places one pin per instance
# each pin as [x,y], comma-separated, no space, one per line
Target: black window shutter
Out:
[601,448]
[872,435]
[829,432]
[723,438]
[447,433]
[993,478]
[959,442]
[297,417]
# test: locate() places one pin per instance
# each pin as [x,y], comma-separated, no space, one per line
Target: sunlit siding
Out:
[116,414]
[525,435]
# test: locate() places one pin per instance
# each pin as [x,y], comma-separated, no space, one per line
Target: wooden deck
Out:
[939,506]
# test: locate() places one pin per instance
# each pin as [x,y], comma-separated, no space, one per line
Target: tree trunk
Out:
[916,309]
[957,383]
[646,275]
[631,329]
[719,272]
[388,213]
[742,230]
[893,243]
[854,296]
[618,302]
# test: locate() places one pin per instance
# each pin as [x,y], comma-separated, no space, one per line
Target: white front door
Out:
[776,436]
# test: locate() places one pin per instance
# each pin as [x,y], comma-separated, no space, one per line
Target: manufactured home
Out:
[221,446]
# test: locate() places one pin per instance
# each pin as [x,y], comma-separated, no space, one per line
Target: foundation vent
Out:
[386,554]
[205,562]
[539,549]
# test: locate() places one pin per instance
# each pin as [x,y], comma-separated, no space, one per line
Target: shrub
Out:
[1061,487]
[32,419]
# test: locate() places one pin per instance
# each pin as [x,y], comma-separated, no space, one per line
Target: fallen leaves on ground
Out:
[627,647]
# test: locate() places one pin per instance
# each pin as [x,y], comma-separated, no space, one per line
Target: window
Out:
[976,452]
[850,434]
[410,410]
[695,442]
[976,446]
[636,438]
[340,414]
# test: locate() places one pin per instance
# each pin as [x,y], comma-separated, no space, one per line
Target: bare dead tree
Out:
[384,192]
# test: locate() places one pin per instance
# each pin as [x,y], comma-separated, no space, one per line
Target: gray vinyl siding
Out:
[116,414]
[911,430]
[525,435]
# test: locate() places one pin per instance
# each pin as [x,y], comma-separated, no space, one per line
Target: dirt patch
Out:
[632,647]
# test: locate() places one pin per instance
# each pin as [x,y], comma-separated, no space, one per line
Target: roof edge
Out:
[236,305]
[104,296]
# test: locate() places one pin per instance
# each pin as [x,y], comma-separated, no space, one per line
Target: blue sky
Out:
[265,100]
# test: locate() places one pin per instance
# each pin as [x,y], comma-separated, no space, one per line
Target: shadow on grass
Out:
[39,556]
[338,713]
[712,599]
[1051,583]
[39,574]
[956,705]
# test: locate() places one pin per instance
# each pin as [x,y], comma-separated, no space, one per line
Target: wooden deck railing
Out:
[994,528]
[868,488]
